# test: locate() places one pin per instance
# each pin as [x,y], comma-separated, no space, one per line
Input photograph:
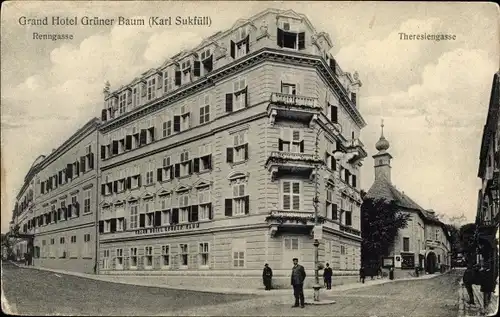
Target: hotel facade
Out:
[207,164]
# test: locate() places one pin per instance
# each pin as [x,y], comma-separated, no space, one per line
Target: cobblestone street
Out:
[34,292]
[430,297]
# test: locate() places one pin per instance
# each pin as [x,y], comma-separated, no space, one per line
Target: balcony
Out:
[291,221]
[288,162]
[350,230]
[292,107]
[355,150]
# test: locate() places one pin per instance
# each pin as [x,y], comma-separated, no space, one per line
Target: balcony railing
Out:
[350,230]
[294,100]
[292,156]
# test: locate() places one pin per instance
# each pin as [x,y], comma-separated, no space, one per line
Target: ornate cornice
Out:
[237,66]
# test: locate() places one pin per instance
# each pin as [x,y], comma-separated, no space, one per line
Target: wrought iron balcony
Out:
[288,106]
[290,162]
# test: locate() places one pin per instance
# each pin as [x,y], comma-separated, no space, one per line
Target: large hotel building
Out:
[207,164]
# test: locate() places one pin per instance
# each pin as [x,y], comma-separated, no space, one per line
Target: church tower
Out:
[382,158]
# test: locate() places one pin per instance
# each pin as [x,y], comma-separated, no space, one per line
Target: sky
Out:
[432,95]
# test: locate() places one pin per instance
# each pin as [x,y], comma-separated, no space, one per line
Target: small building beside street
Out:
[425,242]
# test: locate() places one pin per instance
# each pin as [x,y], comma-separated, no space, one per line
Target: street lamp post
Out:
[317,286]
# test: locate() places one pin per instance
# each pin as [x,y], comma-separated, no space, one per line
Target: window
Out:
[204,204]
[239,151]
[107,226]
[86,252]
[105,260]
[165,254]
[184,206]
[167,128]
[86,201]
[291,141]
[238,98]
[167,82]
[62,252]
[238,259]
[133,257]
[406,244]
[184,254]
[149,174]
[348,218]
[289,89]
[151,88]
[437,234]
[73,250]
[239,199]
[291,195]
[204,253]
[122,103]
[133,216]
[148,258]
[185,164]
[331,208]
[288,38]
[135,97]
[119,259]
[291,243]
[204,160]
[204,114]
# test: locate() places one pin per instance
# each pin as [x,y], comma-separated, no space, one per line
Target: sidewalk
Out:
[152,281]
[466,310]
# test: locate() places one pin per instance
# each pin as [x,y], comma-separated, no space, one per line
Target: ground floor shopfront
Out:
[188,255]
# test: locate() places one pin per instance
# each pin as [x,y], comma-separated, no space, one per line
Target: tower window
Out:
[380,162]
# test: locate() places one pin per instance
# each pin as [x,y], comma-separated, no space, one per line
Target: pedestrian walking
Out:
[362,274]
[298,277]
[417,270]
[327,276]
[379,272]
[267,275]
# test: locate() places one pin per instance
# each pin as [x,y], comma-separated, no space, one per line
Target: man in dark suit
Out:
[298,277]
[327,276]
[267,275]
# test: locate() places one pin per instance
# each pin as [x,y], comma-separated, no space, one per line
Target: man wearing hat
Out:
[298,277]
[267,276]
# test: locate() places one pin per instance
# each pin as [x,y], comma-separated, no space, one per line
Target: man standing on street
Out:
[362,274]
[267,276]
[298,277]
[327,276]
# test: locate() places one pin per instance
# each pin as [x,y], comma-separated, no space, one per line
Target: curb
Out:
[323,302]
[256,292]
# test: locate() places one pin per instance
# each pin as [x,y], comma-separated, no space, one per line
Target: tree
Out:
[467,234]
[380,222]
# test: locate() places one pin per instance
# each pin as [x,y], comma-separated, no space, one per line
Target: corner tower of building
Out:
[382,159]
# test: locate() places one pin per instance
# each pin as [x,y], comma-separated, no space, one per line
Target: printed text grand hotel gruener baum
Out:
[122,21]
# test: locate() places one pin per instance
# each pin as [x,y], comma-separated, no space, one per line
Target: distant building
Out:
[487,216]
[425,241]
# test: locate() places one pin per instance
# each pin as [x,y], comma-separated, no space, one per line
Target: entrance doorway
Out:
[431,263]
